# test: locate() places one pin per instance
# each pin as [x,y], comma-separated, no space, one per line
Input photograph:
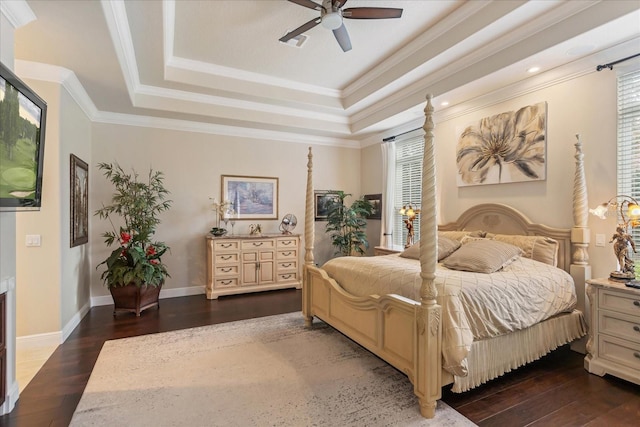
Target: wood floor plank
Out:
[553,391]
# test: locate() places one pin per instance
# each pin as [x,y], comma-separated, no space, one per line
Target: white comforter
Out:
[474,305]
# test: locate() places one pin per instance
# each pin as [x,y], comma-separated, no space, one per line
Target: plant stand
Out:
[135,299]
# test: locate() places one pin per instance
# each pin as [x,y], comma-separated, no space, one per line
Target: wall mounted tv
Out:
[22,131]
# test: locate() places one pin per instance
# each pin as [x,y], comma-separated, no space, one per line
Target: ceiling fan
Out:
[331,15]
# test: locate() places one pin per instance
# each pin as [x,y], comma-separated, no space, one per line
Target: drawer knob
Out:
[226,257]
[257,243]
[286,276]
[226,282]
[226,270]
[289,265]
[636,328]
[636,354]
[286,243]
[636,303]
[228,245]
[286,253]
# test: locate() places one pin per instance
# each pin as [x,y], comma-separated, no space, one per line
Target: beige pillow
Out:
[539,248]
[459,235]
[446,247]
[482,256]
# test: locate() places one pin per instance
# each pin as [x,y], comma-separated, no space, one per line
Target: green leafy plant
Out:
[347,224]
[137,259]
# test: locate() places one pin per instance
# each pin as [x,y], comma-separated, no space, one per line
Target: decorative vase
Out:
[135,299]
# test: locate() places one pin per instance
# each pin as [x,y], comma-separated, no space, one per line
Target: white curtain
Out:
[388,194]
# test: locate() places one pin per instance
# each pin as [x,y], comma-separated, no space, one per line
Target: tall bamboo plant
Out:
[347,224]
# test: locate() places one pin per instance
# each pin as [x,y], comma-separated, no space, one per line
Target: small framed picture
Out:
[376,203]
[79,202]
[251,197]
[323,199]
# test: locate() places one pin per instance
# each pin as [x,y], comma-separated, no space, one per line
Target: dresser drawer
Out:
[288,276]
[287,265]
[222,283]
[287,243]
[619,351]
[257,244]
[226,245]
[227,270]
[287,254]
[227,258]
[619,301]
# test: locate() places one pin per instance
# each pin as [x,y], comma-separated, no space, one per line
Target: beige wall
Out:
[585,105]
[192,164]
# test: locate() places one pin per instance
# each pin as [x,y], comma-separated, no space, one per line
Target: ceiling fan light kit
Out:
[331,17]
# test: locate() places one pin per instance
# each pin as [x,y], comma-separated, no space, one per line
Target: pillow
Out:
[482,256]
[539,248]
[446,247]
[459,235]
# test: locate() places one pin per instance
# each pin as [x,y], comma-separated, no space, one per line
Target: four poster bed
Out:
[429,332]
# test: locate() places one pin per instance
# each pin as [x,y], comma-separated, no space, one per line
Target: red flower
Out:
[126,237]
[123,253]
[151,250]
[154,261]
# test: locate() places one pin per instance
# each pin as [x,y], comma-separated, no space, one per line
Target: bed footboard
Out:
[392,327]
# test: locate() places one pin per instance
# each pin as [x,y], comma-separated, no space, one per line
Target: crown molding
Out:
[17,12]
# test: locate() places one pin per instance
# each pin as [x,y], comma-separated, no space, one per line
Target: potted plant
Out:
[347,224]
[134,271]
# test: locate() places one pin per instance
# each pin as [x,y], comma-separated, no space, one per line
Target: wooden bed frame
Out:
[406,333]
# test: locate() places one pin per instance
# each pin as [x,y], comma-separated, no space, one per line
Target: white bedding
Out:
[474,305]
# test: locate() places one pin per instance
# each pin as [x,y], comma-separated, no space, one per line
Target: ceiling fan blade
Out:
[371,13]
[301,29]
[337,4]
[308,3]
[342,36]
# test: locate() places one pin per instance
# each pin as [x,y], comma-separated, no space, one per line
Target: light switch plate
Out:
[600,240]
[33,240]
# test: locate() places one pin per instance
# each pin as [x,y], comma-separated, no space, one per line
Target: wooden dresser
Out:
[614,336]
[240,264]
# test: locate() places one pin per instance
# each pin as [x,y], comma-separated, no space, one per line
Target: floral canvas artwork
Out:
[508,147]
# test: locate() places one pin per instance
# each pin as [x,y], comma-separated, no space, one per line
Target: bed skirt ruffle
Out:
[491,358]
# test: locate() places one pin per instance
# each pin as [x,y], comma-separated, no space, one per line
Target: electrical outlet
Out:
[600,240]
[33,240]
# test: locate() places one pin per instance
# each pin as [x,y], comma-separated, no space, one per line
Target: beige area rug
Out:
[270,371]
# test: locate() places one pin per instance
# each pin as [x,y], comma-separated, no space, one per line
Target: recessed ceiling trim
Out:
[216,129]
[17,12]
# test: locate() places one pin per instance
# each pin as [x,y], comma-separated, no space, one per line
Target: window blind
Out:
[408,182]
[629,144]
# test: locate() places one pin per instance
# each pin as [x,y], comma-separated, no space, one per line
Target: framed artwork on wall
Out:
[79,205]
[504,148]
[251,197]
[376,203]
[321,205]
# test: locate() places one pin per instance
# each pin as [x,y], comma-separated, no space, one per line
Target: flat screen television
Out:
[22,132]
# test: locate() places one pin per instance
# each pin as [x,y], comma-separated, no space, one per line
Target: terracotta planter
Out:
[135,299]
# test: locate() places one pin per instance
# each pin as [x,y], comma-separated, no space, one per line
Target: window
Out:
[629,144]
[408,182]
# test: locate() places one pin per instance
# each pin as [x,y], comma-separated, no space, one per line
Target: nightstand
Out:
[387,250]
[614,336]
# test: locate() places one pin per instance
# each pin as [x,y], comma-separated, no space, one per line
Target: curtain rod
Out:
[391,138]
[611,64]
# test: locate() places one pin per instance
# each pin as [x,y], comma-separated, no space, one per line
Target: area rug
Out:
[269,371]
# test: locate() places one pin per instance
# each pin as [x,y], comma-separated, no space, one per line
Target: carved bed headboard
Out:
[503,219]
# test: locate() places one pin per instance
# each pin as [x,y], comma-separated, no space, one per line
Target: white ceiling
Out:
[218,66]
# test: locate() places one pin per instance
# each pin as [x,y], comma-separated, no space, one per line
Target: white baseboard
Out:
[57,338]
[164,293]
[10,399]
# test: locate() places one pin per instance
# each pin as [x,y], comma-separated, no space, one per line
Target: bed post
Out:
[309,237]
[580,269]
[428,360]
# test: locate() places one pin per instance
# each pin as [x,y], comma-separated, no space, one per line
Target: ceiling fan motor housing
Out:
[331,17]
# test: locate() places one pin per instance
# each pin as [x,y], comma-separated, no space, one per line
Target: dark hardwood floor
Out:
[554,391]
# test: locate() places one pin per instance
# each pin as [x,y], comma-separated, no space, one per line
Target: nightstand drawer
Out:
[619,325]
[620,351]
[619,301]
